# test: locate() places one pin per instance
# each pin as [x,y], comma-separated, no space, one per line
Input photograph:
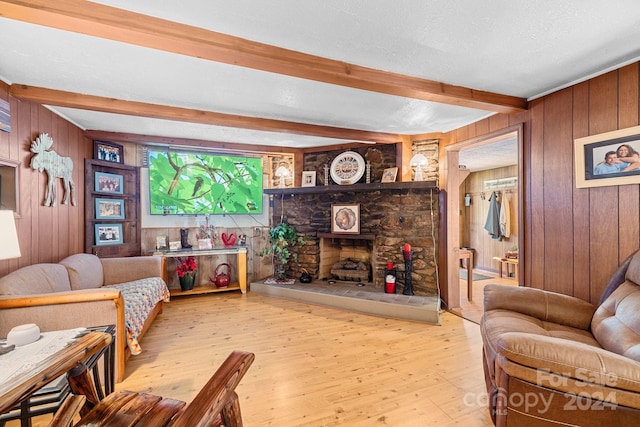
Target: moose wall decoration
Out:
[56,166]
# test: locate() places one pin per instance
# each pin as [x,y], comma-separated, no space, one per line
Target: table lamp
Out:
[10,247]
[419,160]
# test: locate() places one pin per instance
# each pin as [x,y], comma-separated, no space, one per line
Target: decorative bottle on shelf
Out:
[326,174]
[368,172]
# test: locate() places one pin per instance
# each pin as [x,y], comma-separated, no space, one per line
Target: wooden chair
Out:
[216,404]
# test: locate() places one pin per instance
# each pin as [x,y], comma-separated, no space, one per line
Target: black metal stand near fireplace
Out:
[408,266]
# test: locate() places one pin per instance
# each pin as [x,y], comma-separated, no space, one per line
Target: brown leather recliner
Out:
[552,359]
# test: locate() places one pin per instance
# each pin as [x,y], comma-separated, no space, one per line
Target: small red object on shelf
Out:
[407,247]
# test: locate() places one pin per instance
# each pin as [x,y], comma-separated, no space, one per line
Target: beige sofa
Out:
[552,359]
[84,290]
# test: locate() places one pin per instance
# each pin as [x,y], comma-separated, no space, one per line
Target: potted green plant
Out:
[282,238]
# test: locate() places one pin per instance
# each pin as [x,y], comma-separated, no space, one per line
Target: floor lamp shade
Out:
[10,248]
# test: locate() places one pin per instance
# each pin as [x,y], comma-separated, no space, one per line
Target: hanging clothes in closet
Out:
[505,216]
[492,225]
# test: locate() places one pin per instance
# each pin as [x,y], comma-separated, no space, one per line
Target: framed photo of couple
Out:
[611,158]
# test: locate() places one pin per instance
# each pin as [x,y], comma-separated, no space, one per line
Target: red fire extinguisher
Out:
[390,279]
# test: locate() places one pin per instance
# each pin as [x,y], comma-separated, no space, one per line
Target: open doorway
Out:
[476,169]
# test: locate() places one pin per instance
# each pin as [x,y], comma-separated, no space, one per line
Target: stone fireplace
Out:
[391,214]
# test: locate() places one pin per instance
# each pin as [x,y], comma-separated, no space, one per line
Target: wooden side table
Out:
[507,262]
[48,399]
[241,256]
[468,255]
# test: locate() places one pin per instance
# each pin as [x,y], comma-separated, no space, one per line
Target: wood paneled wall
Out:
[46,234]
[574,239]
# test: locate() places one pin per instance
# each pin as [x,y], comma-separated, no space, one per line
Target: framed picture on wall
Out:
[108,183]
[109,208]
[611,158]
[345,219]
[108,234]
[108,152]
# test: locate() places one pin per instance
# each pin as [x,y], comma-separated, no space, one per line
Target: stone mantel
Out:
[374,186]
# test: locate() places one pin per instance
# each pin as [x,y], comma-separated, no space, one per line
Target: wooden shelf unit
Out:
[131,232]
[239,251]
[205,289]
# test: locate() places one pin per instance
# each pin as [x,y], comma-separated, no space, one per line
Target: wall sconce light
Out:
[10,247]
[419,160]
[467,199]
[282,172]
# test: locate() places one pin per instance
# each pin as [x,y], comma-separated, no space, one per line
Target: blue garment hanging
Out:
[493,217]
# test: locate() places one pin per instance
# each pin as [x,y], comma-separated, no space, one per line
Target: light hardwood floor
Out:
[472,310]
[317,366]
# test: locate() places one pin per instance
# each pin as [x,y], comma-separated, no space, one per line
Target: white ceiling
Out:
[497,154]
[521,49]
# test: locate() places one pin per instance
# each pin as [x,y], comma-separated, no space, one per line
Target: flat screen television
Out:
[194,183]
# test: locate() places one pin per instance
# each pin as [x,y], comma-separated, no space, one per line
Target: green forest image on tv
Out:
[185,183]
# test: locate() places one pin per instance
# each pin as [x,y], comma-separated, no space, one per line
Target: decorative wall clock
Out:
[347,168]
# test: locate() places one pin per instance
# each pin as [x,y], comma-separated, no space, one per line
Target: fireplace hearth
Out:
[352,297]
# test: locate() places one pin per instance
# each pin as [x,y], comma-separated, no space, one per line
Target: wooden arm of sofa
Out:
[544,305]
[66,310]
[570,367]
[218,396]
[54,298]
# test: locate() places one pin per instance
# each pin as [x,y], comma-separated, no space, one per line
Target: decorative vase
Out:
[187,281]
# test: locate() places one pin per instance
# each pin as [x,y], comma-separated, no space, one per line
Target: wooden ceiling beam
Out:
[142,109]
[133,28]
[171,142]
